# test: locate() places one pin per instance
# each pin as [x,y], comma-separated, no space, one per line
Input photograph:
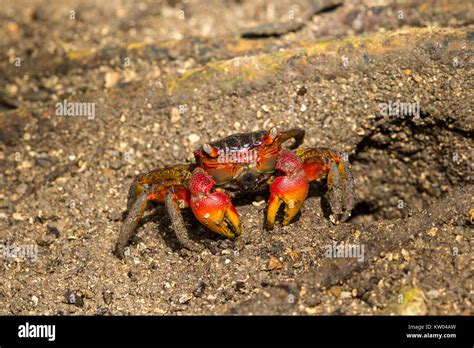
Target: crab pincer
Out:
[291,188]
[213,208]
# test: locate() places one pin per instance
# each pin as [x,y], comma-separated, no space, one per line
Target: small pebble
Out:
[35,300]
[74,298]
[115,216]
[53,230]
[433,294]
[111,79]
[302,91]
[18,217]
[193,138]
[183,299]
[335,291]
[115,164]
[21,189]
[345,295]
[175,115]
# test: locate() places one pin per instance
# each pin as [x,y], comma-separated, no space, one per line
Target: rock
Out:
[302,91]
[53,230]
[258,203]
[274,263]
[21,189]
[432,294]
[35,300]
[115,163]
[185,298]
[88,294]
[45,240]
[115,216]
[175,115]
[239,286]
[293,256]
[12,28]
[129,75]
[42,162]
[107,296]
[313,310]
[46,209]
[101,311]
[335,291]
[11,90]
[199,291]
[111,79]
[193,138]
[406,255]
[211,298]
[18,217]
[74,298]
[345,295]
[432,232]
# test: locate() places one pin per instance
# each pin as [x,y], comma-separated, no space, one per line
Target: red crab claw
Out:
[291,188]
[213,209]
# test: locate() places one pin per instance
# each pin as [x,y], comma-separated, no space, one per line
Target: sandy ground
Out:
[166,77]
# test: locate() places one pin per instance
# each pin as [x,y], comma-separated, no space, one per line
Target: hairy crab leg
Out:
[322,163]
[134,215]
[177,223]
[153,186]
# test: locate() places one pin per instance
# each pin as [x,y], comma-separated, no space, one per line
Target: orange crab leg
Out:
[213,209]
[290,189]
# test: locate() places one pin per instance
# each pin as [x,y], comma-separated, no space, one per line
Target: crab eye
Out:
[211,151]
[271,135]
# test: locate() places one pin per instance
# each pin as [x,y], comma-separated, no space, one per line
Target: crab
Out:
[244,163]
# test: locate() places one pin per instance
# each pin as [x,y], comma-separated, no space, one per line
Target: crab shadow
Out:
[213,242]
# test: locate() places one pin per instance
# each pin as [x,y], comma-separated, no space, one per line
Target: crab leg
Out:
[322,162]
[213,209]
[177,222]
[135,213]
[154,186]
[290,189]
